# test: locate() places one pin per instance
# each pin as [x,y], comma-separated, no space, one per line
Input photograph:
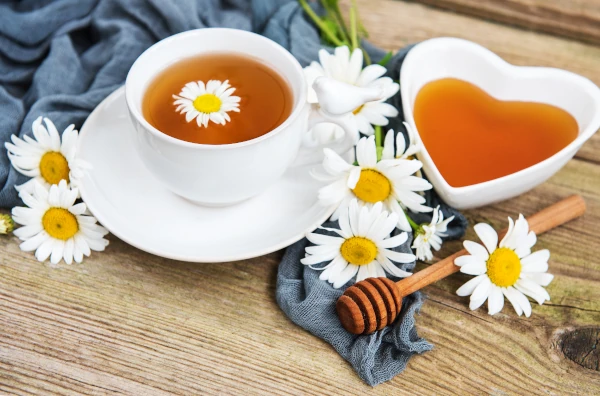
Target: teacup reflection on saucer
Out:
[132,205]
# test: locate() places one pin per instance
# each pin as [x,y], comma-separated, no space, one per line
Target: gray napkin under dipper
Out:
[60,58]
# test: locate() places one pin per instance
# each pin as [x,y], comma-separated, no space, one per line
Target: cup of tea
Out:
[229,163]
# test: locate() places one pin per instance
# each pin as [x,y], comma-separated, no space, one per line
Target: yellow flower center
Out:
[358,250]
[358,109]
[59,223]
[207,103]
[54,167]
[503,267]
[372,186]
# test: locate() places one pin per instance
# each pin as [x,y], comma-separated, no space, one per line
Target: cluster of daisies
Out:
[375,193]
[54,223]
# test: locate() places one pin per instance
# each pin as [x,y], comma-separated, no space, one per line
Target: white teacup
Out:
[230,173]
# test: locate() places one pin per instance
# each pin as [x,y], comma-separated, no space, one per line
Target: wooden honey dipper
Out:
[374,303]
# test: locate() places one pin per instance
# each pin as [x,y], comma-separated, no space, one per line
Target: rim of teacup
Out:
[300,97]
[504,67]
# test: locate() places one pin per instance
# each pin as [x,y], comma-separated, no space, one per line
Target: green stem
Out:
[353,31]
[413,225]
[340,19]
[378,136]
[366,56]
[319,23]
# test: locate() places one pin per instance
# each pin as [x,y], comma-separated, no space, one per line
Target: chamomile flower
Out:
[388,181]
[361,249]
[428,236]
[506,270]
[346,67]
[7,225]
[54,226]
[210,102]
[47,159]
[400,150]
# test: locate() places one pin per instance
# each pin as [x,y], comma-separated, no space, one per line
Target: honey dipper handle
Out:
[561,212]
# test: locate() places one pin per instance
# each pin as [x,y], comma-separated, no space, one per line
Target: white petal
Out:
[394,241]
[468,287]
[533,290]
[482,291]
[34,242]
[495,300]
[370,74]
[366,153]
[542,279]
[58,249]
[320,239]
[388,145]
[468,259]
[334,164]
[517,298]
[391,268]
[476,250]
[397,256]
[344,276]
[474,268]
[487,235]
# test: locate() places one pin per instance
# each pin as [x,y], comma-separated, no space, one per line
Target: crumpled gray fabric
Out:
[61,58]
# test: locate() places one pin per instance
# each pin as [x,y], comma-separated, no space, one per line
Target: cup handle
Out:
[314,154]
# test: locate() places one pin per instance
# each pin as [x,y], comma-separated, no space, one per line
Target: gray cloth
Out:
[61,58]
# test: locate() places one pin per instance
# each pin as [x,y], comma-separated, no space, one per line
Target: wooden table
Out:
[128,322]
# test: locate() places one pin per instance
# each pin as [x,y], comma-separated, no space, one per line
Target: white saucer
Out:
[135,207]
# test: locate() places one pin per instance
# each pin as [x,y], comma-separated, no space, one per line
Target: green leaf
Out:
[384,61]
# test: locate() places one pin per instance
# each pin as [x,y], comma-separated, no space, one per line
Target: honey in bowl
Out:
[265,98]
[473,137]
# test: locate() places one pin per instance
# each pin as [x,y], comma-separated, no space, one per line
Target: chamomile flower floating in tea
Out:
[362,247]
[54,226]
[7,225]
[389,181]
[47,159]
[204,103]
[428,236]
[346,67]
[506,270]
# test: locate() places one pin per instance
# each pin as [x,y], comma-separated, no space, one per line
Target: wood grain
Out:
[126,322]
[577,19]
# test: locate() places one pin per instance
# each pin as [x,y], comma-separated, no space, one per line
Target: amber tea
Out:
[473,137]
[233,98]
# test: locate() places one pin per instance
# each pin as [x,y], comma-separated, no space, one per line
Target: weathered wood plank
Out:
[576,19]
[158,325]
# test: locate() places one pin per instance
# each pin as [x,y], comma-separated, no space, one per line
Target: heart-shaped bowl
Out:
[457,58]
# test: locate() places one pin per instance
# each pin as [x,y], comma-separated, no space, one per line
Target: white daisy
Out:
[388,181]
[54,226]
[362,247]
[347,68]
[401,150]
[209,102]
[7,224]
[428,236]
[507,270]
[46,159]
